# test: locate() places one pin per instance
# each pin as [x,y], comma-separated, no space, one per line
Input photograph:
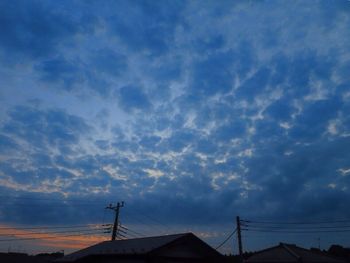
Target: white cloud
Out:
[344,171]
[154,173]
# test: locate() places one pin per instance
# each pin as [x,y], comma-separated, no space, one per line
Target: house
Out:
[170,248]
[291,253]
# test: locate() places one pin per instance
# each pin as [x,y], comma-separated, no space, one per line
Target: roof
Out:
[290,253]
[135,246]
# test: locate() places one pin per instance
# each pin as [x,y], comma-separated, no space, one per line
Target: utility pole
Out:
[239,237]
[116,219]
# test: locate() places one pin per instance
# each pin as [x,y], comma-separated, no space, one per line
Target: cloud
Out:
[41,128]
[77,74]
[214,74]
[35,29]
[214,109]
[108,61]
[281,110]
[254,85]
[155,27]
[133,98]
[306,172]
[7,144]
[58,70]
[311,124]
[232,130]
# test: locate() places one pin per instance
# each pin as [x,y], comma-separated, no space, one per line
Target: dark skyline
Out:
[192,112]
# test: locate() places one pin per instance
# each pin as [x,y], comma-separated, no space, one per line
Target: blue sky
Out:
[192,112]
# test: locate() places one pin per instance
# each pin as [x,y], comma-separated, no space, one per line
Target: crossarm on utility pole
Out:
[116,219]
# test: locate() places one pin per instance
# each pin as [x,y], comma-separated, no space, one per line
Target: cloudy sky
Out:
[192,112]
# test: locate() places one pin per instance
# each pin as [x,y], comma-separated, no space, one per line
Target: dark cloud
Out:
[245,58]
[212,43]
[7,144]
[343,72]
[235,129]
[255,85]
[171,72]
[279,64]
[42,128]
[108,61]
[102,144]
[35,29]
[205,145]
[59,70]
[154,30]
[133,97]
[306,171]
[296,73]
[227,109]
[179,140]
[311,124]
[280,110]
[213,75]
[150,141]
[76,74]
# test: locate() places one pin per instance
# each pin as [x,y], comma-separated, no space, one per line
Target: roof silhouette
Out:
[291,253]
[135,246]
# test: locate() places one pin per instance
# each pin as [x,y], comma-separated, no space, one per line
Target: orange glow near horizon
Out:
[58,241]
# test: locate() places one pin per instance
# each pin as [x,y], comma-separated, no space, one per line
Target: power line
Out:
[52,232]
[51,237]
[295,232]
[53,227]
[295,227]
[296,222]
[49,204]
[132,231]
[136,233]
[153,219]
[157,227]
[223,243]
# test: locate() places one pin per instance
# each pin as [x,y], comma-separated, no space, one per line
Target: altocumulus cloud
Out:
[214,109]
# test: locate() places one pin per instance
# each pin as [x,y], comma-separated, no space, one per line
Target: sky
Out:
[192,112]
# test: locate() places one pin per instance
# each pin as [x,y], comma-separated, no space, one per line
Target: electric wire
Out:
[53,227]
[223,243]
[52,232]
[156,225]
[132,231]
[296,232]
[136,233]
[130,235]
[296,227]
[296,222]
[50,237]
[136,218]
[151,219]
